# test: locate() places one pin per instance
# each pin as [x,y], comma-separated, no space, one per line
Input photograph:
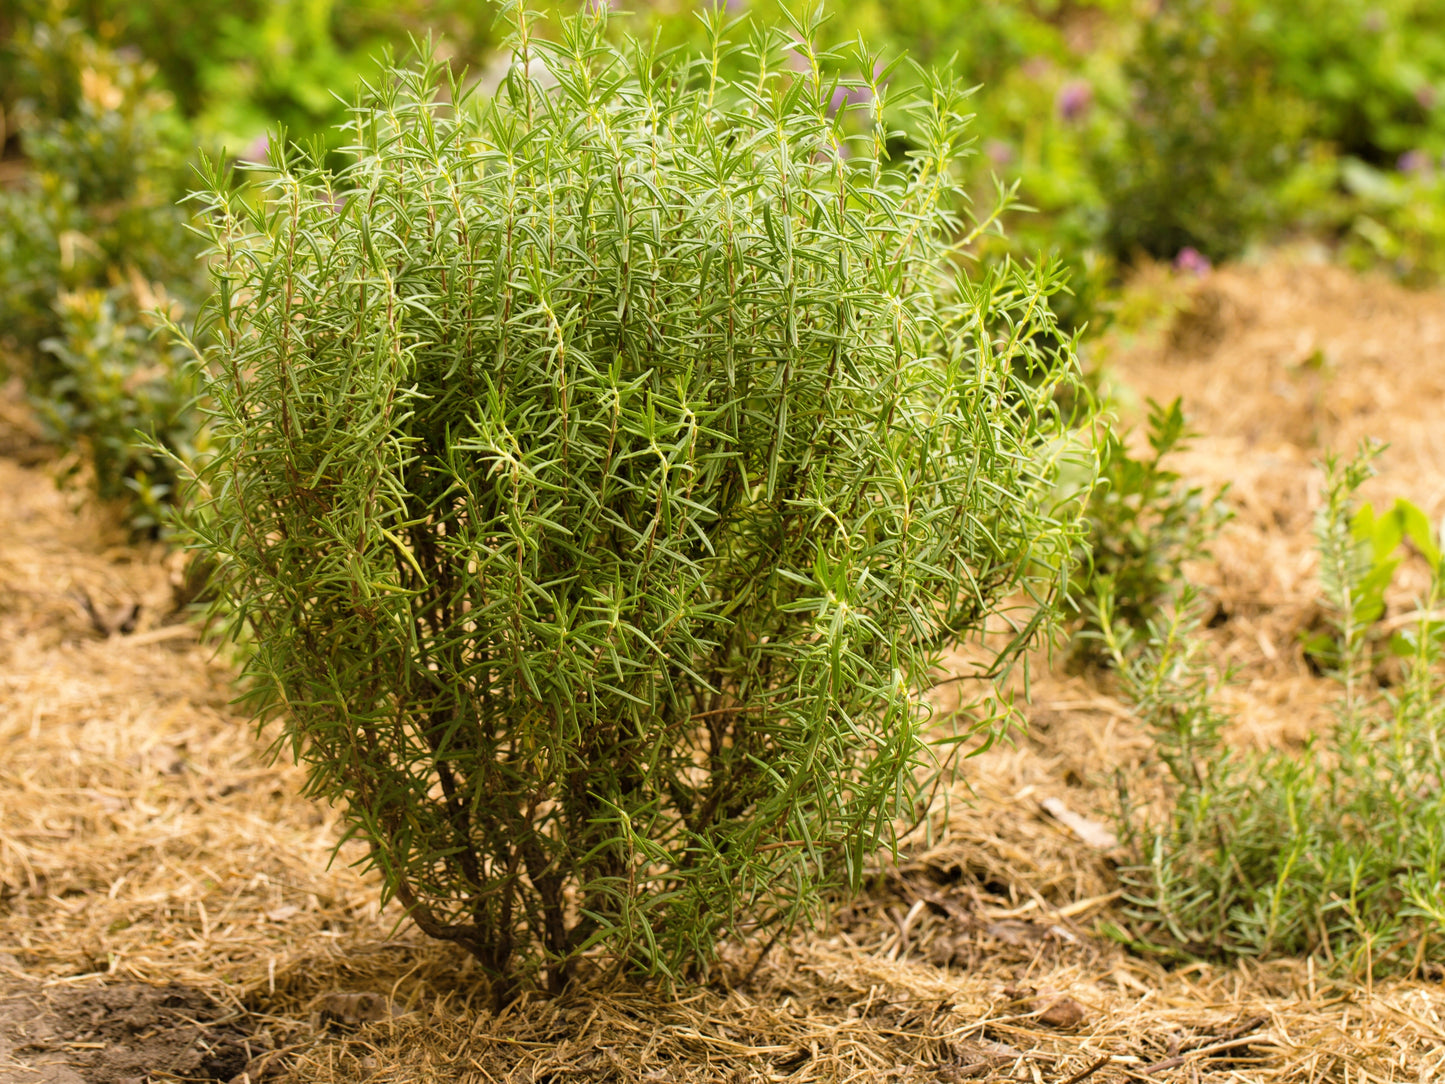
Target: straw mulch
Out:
[167,910]
[1279,366]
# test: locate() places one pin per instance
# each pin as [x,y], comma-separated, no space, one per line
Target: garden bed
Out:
[167,910]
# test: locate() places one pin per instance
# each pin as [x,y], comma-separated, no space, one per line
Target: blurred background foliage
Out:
[1185,131]
[1133,127]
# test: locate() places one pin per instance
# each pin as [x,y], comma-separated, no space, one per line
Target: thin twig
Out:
[763,955]
[1085,1074]
[1200,1052]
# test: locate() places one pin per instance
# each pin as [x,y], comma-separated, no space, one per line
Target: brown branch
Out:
[1086,1073]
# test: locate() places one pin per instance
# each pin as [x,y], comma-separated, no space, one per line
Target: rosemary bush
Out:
[599,471]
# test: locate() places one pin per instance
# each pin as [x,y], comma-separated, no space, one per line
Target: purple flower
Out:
[1415,161]
[1192,260]
[1074,99]
[999,153]
[1374,21]
[843,97]
[599,7]
[258,150]
[1425,96]
[735,6]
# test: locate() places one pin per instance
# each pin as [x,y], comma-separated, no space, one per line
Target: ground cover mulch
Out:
[167,910]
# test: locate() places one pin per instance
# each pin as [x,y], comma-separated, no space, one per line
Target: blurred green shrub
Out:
[1365,564]
[600,471]
[110,378]
[253,66]
[91,239]
[1396,219]
[107,163]
[184,41]
[1372,71]
[280,66]
[1204,137]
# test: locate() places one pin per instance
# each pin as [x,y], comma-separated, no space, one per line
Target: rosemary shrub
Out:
[600,471]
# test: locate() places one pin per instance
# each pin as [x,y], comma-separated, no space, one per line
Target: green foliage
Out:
[1395,220]
[1383,535]
[186,42]
[1205,135]
[1361,555]
[279,66]
[106,166]
[85,246]
[1202,123]
[1144,525]
[1336,851]
[252,66]
[110,379]
[601,469]
[1373,71]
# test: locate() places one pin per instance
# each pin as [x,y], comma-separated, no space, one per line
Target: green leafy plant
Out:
[1337,850]
[279,66]
[114,380]
[1144,525]
[599,471]
[92,240]
[241,70]
[1372,70]
[1362,568]
[1394,220]
[107,163]
[1205,135]
[1034,105]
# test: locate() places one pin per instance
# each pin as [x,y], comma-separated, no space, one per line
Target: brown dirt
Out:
[123,1033]
[148,850]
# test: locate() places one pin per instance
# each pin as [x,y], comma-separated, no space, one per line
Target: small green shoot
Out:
[1145,524]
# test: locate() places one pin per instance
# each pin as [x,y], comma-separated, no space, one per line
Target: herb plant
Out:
[599,471]
[1144,525]
[1204,135]
[1336,850]
[1362,554]
[107,163]
[126,392]
[90,244]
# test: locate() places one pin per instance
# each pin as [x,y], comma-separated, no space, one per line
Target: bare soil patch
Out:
[123,1033]
[167,910]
